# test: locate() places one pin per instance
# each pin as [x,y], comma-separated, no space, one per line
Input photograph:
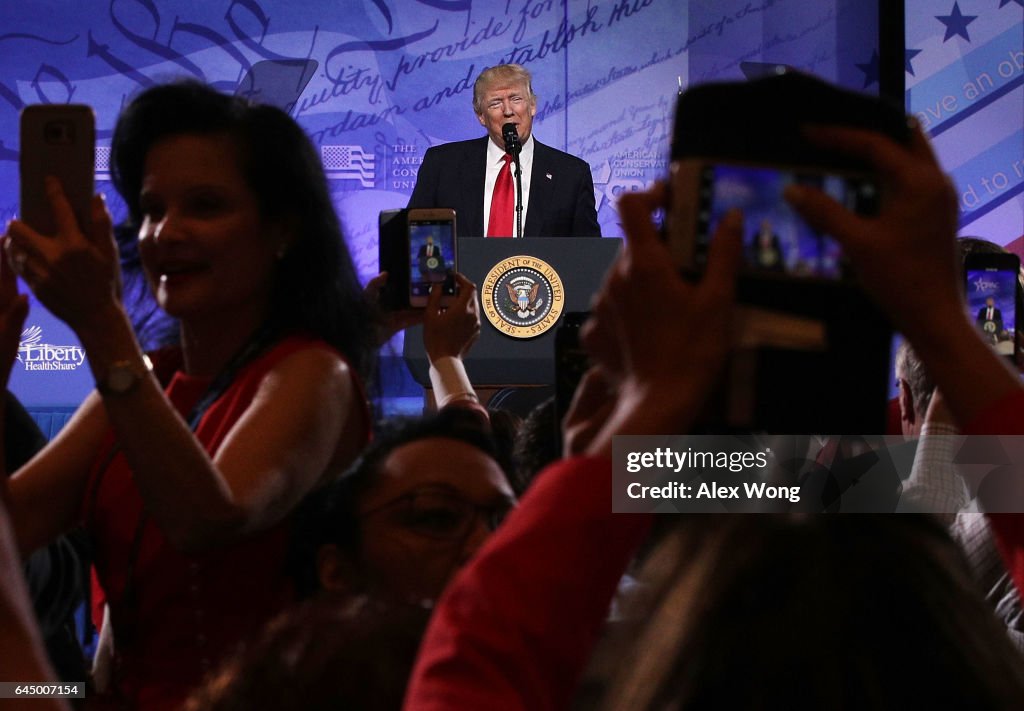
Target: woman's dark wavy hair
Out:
[317,289]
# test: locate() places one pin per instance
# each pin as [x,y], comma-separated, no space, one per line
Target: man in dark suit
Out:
[990,320]
[765,251]
[430,261]
[558,189]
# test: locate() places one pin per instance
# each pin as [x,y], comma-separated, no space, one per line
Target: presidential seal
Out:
[522,296]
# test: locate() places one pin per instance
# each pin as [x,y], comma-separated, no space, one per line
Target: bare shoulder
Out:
[312,394]
[315,367]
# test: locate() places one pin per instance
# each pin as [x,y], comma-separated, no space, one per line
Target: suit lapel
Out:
[540,190]
[473,173]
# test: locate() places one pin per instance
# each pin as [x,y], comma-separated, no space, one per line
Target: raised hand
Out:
[664,338]
[905,256]
[75,273]
[388,322]
[453,330]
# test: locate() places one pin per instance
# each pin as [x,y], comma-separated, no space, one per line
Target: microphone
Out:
[511,136]
[512,147]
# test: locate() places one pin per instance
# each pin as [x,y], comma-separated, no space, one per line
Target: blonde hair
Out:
[501,74]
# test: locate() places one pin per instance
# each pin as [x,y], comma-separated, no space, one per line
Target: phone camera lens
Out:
[57,132]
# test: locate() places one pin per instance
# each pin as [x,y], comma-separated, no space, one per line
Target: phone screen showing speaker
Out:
[431,256]
[991,303]
[775,238]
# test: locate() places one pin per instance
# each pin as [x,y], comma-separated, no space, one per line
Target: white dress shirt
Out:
[495,161]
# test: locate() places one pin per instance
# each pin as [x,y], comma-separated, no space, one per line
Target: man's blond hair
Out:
[503,74]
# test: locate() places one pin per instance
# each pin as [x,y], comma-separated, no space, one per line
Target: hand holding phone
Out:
[451,331]
[390,317]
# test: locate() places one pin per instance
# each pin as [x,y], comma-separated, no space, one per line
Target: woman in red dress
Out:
[185,473]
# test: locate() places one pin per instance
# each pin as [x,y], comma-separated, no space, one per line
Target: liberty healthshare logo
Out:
[35,355]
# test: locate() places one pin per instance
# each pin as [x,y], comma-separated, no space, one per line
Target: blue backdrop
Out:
[389,78]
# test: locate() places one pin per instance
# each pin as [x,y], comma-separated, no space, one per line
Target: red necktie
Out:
[502,203]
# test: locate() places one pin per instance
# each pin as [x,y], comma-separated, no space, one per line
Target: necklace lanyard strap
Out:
[260,340]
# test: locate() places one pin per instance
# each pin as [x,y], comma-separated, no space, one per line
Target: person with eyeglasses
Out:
[475,177]
[416,506]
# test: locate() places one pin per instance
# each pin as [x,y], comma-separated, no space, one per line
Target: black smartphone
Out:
[392,257]
[432,255]
[993,298]
[571,361]
[57,140]
[740,144]
[777,240]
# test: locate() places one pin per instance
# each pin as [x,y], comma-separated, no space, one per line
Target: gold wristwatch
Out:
[122,376]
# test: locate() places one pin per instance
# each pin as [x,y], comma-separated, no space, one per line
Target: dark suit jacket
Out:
[421,260]
[562,205]
[997,318]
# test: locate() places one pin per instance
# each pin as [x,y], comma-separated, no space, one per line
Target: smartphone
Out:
[721,158]
[776,239]
[57,140]
[571,362]
[392,257]
[432,254]
[739,144]
[993,298]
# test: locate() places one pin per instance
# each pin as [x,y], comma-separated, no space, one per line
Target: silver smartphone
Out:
[432,254]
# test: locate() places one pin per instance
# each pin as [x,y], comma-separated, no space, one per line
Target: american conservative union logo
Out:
[36,355]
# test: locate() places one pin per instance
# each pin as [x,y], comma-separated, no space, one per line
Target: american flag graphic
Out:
[348,163]
[964,77]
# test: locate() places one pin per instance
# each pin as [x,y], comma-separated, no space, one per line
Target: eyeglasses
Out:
[441,514]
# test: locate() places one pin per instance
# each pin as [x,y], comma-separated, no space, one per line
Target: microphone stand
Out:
[519,193]
[513,147]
